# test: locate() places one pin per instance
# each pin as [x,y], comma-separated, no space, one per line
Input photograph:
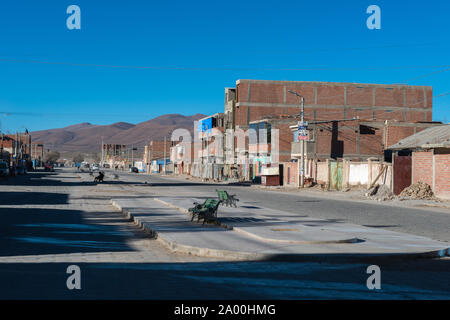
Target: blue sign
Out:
[302,133]
[205,125]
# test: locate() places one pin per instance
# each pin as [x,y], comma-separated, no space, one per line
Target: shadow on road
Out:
[53,231]
[427,279]
[24,198]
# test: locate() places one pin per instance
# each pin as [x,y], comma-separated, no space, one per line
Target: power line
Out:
[427,75]
[180,68]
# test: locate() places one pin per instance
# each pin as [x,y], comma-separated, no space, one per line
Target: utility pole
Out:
[302,175]
[207,147]
[301,126]
[164,158]
[103,158]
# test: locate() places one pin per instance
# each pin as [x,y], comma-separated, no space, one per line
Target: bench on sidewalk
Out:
[228,200]
[206,211]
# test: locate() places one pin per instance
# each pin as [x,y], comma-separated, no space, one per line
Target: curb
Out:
[268,240]
[175,247]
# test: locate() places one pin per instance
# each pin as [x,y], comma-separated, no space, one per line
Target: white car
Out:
[95,167]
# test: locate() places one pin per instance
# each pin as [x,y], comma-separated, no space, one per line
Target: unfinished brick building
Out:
[256,99]
[347,120]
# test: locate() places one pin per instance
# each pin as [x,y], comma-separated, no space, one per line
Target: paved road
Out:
[429,222]
[50,221]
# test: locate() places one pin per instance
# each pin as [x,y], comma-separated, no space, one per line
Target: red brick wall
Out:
[371,143]
[359,95]
[241,115]
[329,113]
[266,93]
[422,167]
[415,116]
[330,95]
[290,173]
[325,101]
[392,97]
[333,95]
[156,149]
[442,175]
[307,91]
[396,133]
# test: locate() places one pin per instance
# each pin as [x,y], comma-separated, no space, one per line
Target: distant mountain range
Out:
[86,137]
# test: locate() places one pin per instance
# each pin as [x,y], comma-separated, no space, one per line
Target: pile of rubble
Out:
[419,190]
[380,193]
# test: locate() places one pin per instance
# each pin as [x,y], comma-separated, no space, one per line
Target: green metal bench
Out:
[228,200]
[206,210]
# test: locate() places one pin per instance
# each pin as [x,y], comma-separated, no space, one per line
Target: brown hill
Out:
[86,137]
[155,129]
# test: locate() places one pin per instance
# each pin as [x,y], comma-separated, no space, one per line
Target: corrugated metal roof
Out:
[434,137]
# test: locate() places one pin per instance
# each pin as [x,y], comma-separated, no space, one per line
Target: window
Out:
[366,129]
[260,133]
[253,133]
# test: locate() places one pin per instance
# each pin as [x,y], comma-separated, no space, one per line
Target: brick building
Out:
[425,157]
[256,99]
[348,120]
[16,146]
[156,150]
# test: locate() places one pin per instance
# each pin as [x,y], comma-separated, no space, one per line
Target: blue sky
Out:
[216,43]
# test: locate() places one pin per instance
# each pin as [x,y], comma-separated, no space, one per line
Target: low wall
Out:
[353,173]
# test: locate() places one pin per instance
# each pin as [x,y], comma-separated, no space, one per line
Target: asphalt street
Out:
[433,223]
[50,221]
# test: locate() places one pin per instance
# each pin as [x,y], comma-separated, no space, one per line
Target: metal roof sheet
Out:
[436,136]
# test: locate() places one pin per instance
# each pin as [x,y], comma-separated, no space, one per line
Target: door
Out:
[336,175]
[281,173]
[402,173]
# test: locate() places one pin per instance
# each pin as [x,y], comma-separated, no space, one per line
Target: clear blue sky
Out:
[217,42]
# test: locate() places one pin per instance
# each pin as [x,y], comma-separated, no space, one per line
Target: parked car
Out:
[106,165]
[95,167]
[4,169]
[49,167]
[134,169]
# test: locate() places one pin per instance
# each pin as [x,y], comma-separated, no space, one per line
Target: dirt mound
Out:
[419,190]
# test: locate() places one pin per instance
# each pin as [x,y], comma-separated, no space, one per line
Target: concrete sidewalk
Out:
[250,232]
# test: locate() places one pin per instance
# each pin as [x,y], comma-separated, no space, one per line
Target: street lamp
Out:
[303,125]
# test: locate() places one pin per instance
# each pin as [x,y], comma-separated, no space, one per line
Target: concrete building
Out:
[181,156]
[209,148]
